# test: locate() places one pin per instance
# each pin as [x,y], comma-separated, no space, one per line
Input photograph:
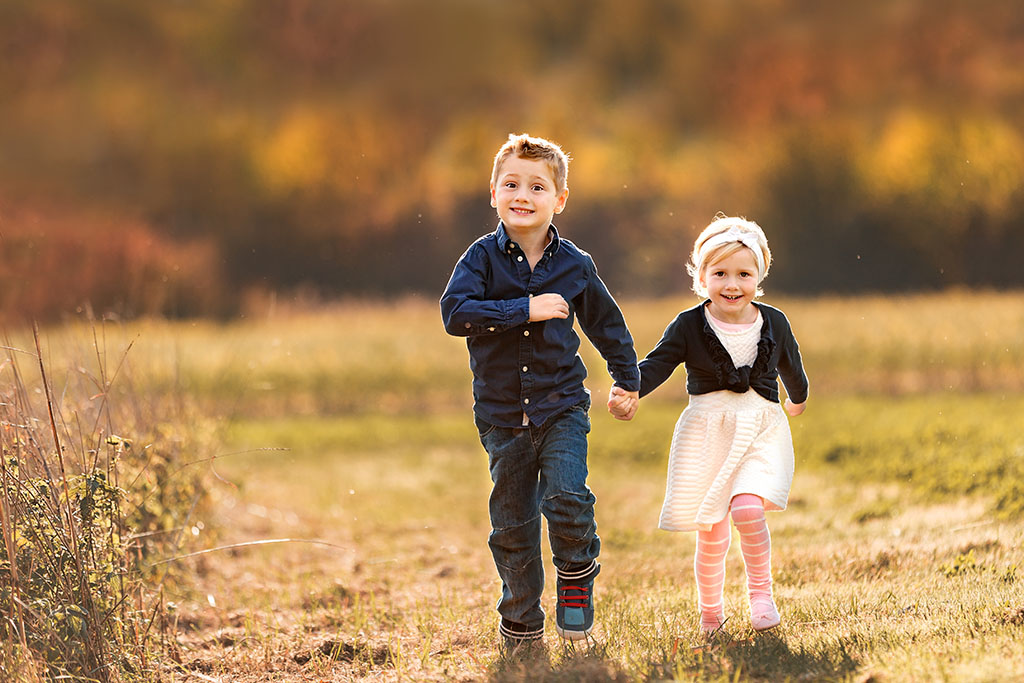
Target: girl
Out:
[732,451]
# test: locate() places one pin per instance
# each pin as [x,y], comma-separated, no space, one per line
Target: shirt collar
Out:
[505,242]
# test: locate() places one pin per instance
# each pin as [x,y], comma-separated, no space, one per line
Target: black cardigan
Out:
[690,339]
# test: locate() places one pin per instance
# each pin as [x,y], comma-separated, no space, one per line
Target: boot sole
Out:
[573,635]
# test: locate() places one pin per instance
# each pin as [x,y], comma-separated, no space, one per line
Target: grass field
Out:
[349,432]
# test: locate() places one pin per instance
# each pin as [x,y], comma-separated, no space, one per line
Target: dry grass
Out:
[387,359]
[89,492]
[411,596]
[892,563]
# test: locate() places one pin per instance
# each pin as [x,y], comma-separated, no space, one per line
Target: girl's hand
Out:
[794,409]
[623,404]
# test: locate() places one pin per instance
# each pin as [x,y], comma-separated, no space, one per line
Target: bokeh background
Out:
[189,158]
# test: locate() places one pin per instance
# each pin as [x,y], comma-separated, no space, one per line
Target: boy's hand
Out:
[548,306]
[623,404]
[794,409]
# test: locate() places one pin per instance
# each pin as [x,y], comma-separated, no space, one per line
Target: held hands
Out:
[623,404]
[548,306]
[794,409]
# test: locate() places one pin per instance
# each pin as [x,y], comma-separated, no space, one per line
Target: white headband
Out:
[733,234]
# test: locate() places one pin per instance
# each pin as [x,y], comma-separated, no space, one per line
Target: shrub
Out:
[84,511]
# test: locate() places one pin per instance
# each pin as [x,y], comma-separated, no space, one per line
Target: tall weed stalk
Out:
[93,486]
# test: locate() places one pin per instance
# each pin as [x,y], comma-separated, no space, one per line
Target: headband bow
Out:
[733,234]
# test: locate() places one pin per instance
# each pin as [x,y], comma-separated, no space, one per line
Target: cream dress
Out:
[725,444]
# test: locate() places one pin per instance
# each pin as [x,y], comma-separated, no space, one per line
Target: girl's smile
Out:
[732,284]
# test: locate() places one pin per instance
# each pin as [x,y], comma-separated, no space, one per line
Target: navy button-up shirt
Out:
[533,368]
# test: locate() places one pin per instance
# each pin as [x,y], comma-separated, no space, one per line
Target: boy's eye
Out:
[510,185]
[538,188]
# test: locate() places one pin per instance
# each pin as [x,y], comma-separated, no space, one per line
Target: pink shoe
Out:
[763,614]
[711,622]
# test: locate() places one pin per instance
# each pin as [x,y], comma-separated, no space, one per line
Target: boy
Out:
[514,295]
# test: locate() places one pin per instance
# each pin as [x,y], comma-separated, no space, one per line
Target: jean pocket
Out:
[483,428]
[583,408]
[581,412]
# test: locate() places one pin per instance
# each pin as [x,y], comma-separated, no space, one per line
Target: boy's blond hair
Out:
[527,147]
[701,258]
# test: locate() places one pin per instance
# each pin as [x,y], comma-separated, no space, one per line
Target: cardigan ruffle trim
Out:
[726,373]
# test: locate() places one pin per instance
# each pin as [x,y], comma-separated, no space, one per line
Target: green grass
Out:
[879,570]
[899,557]
[377,359]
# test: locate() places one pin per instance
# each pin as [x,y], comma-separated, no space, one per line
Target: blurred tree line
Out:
[176,157]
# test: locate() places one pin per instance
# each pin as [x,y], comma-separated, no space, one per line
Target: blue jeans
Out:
[539,470]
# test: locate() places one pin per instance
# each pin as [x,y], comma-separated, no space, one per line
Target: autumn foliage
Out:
[79,263]
[345,147]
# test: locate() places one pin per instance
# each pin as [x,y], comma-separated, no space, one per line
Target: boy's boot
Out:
[574,615]
[520,641]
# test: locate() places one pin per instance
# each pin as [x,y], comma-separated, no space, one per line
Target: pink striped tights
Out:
[747,512]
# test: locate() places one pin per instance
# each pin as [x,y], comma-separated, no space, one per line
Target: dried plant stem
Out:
[9,543]
[265,541]
[94,644]
[56,444]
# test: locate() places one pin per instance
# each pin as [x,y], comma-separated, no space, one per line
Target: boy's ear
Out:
[562,198]
[494,200]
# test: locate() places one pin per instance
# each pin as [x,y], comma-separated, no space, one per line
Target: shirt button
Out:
[519,258]
[491,329]
[525,368]
[526,401]
[512,245]
[526,333]
[468,325]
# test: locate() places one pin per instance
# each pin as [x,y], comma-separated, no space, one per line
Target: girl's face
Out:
[732,283]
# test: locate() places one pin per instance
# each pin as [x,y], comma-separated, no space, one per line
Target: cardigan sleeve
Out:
[791,368]
[666,356]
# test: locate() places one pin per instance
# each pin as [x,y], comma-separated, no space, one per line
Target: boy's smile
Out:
[525,195]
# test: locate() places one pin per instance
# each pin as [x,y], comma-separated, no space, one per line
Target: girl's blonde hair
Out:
[714,244]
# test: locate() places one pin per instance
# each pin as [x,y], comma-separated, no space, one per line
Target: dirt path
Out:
[364,607]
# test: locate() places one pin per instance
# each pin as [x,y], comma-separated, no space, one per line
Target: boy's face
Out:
[525,194]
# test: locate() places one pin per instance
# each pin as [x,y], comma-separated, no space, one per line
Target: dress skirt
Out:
[725,444]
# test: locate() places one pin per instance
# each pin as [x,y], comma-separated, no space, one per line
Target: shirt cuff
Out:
[626,379]
[517,311]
